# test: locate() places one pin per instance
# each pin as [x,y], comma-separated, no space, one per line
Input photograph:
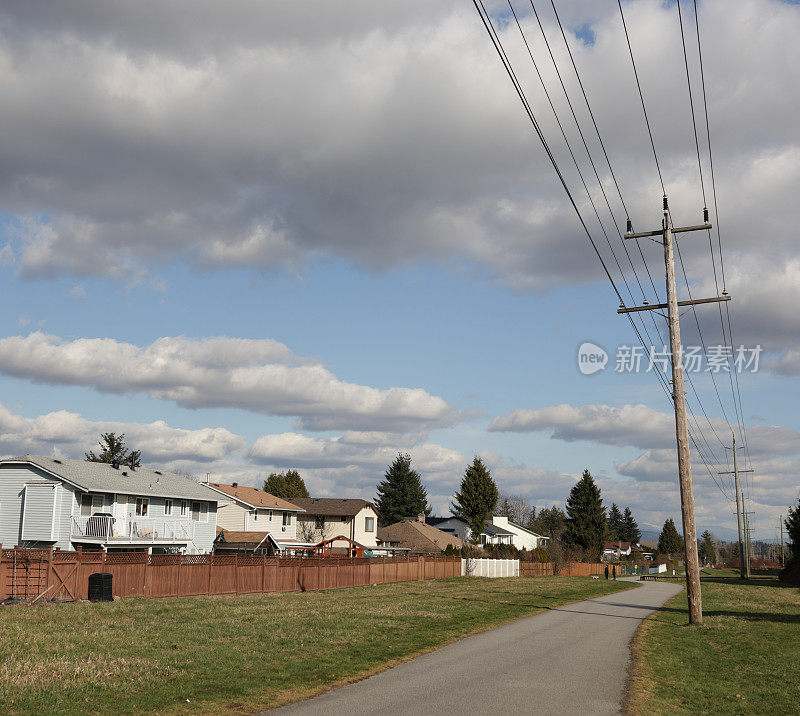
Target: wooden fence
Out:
[31,574]
[568,569]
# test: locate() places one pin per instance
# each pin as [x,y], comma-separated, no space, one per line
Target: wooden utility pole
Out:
[747,547]
[679,399]
[744,571]
[780,521]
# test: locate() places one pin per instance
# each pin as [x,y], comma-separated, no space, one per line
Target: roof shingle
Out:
[254,497]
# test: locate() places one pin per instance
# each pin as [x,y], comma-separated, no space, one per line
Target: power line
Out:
[641,95]
[497,43]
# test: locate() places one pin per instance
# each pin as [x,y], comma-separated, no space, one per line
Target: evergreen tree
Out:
[669,541]
[286,485]
[630,528]
[707,550]
[616,527]
[792,523]
[550,522]
[401,493]
[586,516]
[477,499]
[114,451]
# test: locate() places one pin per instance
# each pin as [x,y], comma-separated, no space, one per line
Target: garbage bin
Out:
[100,587]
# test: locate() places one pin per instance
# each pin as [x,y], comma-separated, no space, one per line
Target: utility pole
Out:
[748,547]
[679,398]
[780,522]
[743,571]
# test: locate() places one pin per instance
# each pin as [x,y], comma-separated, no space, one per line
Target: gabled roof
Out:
[525,529]
[102,477]
[613,545]
[418,537]
[332,506]
[240,537]
[253,497]
[492,529]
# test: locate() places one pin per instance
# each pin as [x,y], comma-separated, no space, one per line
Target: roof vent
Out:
[157,472]
[125,473]
[115,465]
[57,460]
[235,484]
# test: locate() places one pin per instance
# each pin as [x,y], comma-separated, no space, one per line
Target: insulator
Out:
[630,226]
[705,214]
[646,302]
[621,304]
[666,205]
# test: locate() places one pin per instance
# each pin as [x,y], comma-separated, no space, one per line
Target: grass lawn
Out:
[744,658]
[247,652]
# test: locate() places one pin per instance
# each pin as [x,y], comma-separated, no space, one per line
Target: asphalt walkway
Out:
[569,660]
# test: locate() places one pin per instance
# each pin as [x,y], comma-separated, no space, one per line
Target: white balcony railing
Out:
[134,529]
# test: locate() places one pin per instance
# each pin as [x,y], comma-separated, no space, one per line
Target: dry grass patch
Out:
[246,652]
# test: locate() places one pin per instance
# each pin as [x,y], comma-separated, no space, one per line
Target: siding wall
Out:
[334,527]
[12,505]
[233,516]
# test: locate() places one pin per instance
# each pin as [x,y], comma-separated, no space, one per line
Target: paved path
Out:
[569,660]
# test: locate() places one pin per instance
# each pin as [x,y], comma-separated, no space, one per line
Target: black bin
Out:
[100,587]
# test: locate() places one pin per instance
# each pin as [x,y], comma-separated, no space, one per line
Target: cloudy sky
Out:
[259,235]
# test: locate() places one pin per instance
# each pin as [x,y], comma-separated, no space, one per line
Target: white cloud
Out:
[386,135]
[262,376]
[68,434]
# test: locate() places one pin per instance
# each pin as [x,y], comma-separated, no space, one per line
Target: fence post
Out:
[210,567]
[236,573]
[337,570]
[263,571]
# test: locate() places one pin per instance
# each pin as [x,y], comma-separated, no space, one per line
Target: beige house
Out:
[248,509]
[326,517]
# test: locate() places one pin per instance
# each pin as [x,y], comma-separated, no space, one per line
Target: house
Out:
[244,509]
[523,538]
[326,517]
[417,537]
[233,541]
[456,526]
[459,527]
[67,504]
[617,549]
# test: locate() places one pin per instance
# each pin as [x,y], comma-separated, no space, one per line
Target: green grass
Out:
[744,658]
[248,652]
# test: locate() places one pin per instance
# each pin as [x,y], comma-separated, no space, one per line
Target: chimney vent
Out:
[115,464]
[235,484]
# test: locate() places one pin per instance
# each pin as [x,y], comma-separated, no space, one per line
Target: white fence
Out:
[490,568]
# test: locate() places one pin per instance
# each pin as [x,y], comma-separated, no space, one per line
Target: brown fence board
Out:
[28,574]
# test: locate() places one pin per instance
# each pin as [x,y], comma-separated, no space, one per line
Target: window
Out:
[92,504]
[287,519]
[200,511]
[369,524]
[167,507]
[270,515]
[142,506]
[255,515]
[319,522]
[184,508]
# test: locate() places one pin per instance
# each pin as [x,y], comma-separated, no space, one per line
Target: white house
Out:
[47,501]
[247,510]
[523,538]
[326,517]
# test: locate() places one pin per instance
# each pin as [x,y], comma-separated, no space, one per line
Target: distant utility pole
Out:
[744,571]
[748,545]
[679,398]
[780,522]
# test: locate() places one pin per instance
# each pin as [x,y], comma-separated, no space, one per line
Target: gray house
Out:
[47,501]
